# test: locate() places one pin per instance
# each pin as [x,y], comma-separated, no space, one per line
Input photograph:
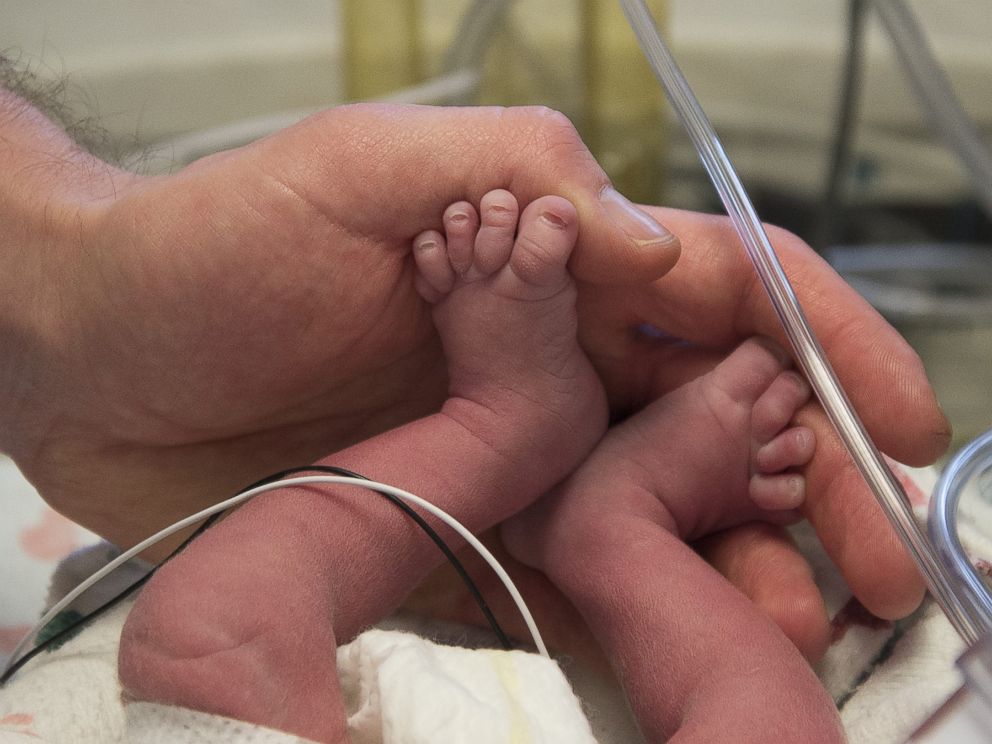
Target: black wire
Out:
[65,633]
[442,546]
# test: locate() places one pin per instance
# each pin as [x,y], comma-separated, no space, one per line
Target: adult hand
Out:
[176,337]
[712,298]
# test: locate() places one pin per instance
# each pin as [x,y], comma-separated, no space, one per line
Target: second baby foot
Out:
[716,452]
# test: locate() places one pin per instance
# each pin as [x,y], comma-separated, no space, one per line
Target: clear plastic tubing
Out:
[970,462]
[807,349]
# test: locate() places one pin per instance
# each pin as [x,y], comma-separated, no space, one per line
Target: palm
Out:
[281,322]
[231,341]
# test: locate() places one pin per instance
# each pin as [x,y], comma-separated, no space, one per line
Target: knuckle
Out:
[550,131]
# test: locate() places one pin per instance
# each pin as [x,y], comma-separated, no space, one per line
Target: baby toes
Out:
[493,244]
[790,449]
[779,447]
[773,488]
[777,493]
[461,224]
[778,405]
[434,277]
[545,238]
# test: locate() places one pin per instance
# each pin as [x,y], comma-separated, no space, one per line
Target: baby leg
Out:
[244,623]
[698,661]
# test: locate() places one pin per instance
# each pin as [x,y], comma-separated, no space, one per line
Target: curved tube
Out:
[942,526]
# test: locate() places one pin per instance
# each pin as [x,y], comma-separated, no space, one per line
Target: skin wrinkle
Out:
[331,220]
[467,401]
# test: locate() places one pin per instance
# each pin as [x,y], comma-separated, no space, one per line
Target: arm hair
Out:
[62,103]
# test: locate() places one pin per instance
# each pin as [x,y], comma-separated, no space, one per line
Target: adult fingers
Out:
[389,170]
[764,564]
[853,528]
[713,300]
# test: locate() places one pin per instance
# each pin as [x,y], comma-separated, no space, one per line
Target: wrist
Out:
[48,184]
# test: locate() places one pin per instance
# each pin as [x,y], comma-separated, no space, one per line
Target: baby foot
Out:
[715,452]
[693,654]
[504,306]
[245,621]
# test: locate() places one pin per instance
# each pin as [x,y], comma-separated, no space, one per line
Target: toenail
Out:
[805,438]
[554,220]
[458,217]
[426,245]
[796,491]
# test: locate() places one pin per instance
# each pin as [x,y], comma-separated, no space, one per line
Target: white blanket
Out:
[398,687]
[401,688]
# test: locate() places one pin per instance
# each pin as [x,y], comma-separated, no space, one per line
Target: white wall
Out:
[765,70]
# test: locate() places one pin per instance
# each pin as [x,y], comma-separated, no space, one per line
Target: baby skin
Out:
[698,661]
[245,621]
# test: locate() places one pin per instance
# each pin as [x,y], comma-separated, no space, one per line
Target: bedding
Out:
[414,680]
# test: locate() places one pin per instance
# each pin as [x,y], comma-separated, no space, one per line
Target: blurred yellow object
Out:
[383,46]
[577,56]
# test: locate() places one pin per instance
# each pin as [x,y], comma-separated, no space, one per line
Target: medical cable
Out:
[809,353]
[16,659]
[70,629]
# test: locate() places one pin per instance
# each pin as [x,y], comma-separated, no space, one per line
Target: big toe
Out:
[545,238]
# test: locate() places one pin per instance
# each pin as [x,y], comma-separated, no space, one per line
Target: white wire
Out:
[245,496]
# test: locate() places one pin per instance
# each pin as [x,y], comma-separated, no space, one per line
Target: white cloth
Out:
[403,689]
[399,688]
